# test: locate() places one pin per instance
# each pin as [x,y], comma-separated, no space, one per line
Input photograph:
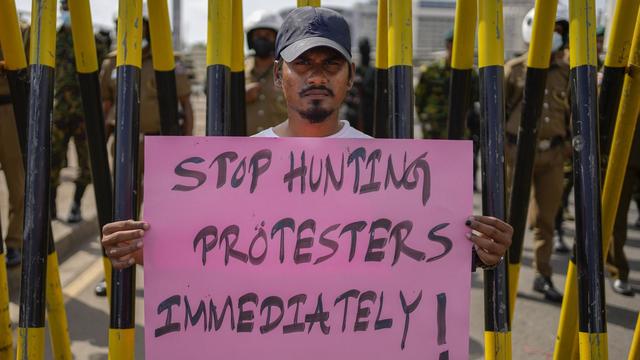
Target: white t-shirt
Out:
[345,132]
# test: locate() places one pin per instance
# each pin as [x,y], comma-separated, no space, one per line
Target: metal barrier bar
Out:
[536,81]
[400,69]
[381,96]
[238,126]
[314,3]
[615,63]
[464,33]
[87,66]
[16,70]
[15,67]
[219,67]
[128,67]
[164,66]
[592,320]
[36,229]
[497,333]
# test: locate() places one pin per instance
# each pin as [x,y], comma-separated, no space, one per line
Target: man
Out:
[11,165]
[68,119]
[315,71]
[265,102]
[551,147]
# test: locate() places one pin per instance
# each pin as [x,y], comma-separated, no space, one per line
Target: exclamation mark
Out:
[442,324]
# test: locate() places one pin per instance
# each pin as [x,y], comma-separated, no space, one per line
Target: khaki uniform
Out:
[11,164]
[553,131]
[269,109]
[149,110]
[617,262]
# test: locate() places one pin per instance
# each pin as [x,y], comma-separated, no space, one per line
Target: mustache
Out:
[307,89]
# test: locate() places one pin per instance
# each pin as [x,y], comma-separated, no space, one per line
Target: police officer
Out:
[551,147]
[432,94]
[358,105]
[432,101]
[68,119]
[11,164]
[265,102]
[617,263]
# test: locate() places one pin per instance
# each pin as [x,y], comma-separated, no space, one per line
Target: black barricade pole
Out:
[36,225]
[625,128]
[219,68]
[16,71]
[464,34]
[15,67]
[123,282]
[615,64]
[497,335]
[164,66]
[314,3]
[566,340]
[586,172]
[238,126]
[87,66]
[381,95]
[400,69]
[534,95]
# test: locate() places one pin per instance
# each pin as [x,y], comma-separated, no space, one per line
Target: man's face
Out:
[315,83]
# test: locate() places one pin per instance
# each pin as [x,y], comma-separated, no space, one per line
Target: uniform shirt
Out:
[67,100]
[554,119]
[432,98]
[345,132]
[67,97]
[269,108]
[4,81]
[149,110]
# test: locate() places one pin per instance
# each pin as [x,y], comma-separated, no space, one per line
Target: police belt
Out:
[542,145]
[5,99]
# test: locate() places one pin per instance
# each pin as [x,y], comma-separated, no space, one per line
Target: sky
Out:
[194,13]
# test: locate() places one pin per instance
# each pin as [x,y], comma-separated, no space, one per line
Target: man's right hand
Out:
[122,242]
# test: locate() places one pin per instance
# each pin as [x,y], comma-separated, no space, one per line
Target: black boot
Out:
[543,285]
[75,215]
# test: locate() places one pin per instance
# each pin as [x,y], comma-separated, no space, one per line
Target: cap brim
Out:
[296,49]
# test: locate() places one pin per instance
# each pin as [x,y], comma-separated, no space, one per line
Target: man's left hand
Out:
[491,236]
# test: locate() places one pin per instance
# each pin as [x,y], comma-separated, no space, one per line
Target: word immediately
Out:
[210,317]
[313,174]
[381,232]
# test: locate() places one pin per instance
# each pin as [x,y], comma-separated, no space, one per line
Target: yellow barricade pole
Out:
[128,68]
[497,333]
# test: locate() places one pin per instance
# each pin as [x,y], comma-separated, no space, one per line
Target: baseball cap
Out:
[309,27]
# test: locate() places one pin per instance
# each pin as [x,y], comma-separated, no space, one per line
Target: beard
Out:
[316,113]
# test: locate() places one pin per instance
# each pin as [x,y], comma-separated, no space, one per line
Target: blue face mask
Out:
[66,18]
[556,42]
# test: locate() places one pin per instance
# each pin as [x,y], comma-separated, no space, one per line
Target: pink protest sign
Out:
[305,248]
